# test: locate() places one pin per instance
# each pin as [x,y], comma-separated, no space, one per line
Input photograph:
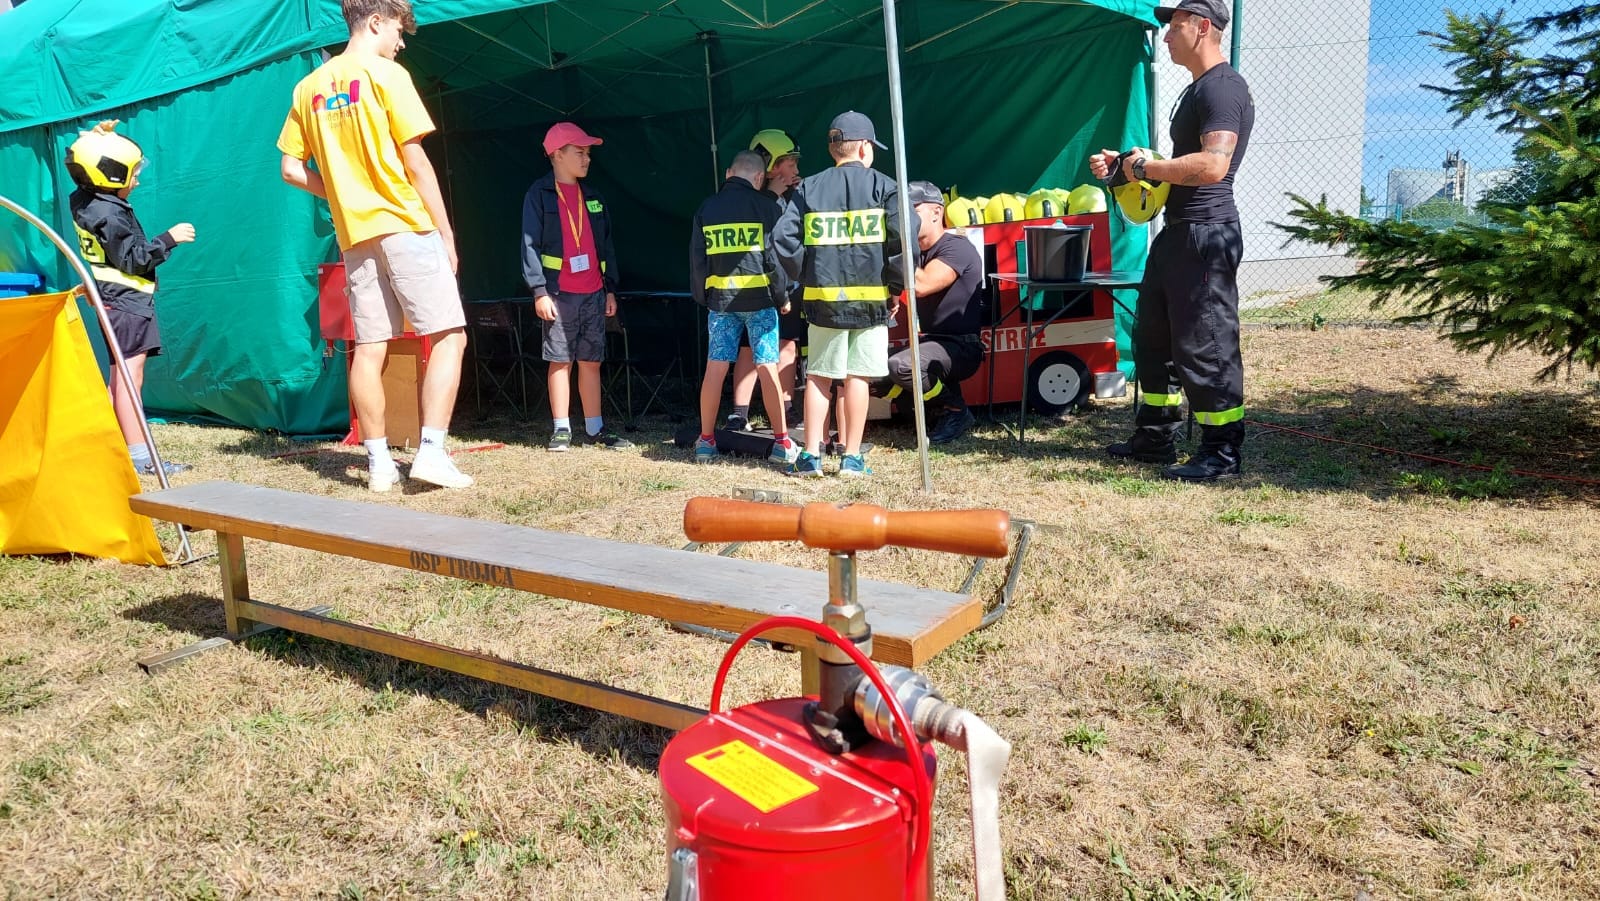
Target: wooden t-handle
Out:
[849,527]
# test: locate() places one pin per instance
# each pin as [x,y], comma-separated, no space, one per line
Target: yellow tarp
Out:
[65,476]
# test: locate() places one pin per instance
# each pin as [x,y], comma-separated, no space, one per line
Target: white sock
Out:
[378,456]
[432,442]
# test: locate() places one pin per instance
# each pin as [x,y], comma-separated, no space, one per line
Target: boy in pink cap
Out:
[570,266]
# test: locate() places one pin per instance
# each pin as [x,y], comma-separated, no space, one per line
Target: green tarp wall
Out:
[998,96]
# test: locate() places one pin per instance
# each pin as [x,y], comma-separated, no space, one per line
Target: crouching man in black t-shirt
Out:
[949,274]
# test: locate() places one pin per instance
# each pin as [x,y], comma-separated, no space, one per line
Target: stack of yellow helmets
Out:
[1044,203]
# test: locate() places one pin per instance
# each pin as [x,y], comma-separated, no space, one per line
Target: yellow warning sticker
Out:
[752,775]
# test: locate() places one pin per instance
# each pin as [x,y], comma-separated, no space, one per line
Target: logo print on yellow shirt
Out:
[350,96]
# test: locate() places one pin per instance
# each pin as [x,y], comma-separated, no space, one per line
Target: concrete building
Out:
[1308,75]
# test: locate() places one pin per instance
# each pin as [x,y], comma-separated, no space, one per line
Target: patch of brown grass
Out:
[1349,669]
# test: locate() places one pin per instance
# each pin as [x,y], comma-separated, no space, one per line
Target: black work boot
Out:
[952,425]
[1218,457]
[1147,445]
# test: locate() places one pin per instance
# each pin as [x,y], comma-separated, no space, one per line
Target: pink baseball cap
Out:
[563,133]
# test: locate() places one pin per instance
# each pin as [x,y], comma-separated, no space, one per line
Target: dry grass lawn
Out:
[1348,675]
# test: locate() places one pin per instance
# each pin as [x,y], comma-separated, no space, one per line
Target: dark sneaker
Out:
[560,440]
[854,466]
[171,469]
[805,466]
[736,423]
[1211,464]
[1146,448]
[610,440]
[951,426]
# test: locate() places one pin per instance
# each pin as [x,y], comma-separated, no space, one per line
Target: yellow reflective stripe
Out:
[550,262]
[894,392]
[92,251]
[737,281]
[1222,418]
[874,292]
[847,227]
[734,237]
[934,391]
[1163,400]
[118,277]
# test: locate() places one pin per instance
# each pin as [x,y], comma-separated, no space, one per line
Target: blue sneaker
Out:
[854,466]
[785,453]
[705,451]
[805,466]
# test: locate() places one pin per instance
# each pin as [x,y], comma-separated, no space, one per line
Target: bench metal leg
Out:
[154,665]
[1025,529]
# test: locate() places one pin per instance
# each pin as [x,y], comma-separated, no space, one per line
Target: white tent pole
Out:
[711,116]
[117,358]
[908,231]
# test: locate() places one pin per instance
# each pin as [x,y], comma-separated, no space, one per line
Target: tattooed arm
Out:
[1207,167]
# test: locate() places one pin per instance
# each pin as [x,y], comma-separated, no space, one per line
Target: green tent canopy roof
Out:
[68,59]
[1000,95]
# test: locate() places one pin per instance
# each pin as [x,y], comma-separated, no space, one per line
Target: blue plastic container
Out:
[18,284]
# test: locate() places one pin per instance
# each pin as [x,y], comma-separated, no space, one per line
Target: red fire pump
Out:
[776,799]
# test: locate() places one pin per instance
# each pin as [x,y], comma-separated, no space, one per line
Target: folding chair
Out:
[499,361]
[650,363]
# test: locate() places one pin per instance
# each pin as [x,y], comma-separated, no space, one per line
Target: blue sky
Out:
[1409,127]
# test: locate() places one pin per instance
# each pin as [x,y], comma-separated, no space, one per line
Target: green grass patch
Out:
[1087,739]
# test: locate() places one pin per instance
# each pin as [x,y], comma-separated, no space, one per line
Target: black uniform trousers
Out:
[947,361]
[1186,333]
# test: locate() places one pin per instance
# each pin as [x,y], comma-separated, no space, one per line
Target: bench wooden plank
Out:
[910,625]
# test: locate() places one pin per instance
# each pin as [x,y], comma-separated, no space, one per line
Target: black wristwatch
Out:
[1138,168]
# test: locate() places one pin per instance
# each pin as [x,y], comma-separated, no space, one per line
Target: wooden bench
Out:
[910,625]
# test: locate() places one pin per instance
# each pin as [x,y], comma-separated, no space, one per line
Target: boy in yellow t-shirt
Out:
[359,117]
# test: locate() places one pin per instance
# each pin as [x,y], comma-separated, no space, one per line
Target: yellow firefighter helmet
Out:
[1140,200]
[773,144]
[104,160]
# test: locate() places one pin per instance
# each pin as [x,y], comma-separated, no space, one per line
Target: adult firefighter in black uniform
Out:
[1186,339]
[848,220]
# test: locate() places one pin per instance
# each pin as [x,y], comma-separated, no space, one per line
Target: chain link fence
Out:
[1342,112]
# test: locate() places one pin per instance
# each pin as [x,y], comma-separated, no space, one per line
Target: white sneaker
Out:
[383,479]
[439,469]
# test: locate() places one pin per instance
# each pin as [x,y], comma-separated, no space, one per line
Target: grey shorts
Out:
[400,278]
[579,330]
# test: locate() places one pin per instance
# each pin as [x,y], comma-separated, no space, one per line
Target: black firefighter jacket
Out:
[542,236]
[121,259]
[847,219]
[733,265]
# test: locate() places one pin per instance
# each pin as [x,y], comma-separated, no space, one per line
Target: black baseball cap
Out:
[1215,10]
[924,192]
[854,126]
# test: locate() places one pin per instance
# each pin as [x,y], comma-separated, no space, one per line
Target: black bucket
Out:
[1056,253]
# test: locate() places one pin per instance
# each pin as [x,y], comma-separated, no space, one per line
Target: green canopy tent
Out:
[998,96]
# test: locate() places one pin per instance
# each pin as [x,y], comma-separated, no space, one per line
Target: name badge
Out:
[579,263]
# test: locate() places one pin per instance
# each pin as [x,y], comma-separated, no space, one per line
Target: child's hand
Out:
[545,308]
[107,126]
[182,233]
